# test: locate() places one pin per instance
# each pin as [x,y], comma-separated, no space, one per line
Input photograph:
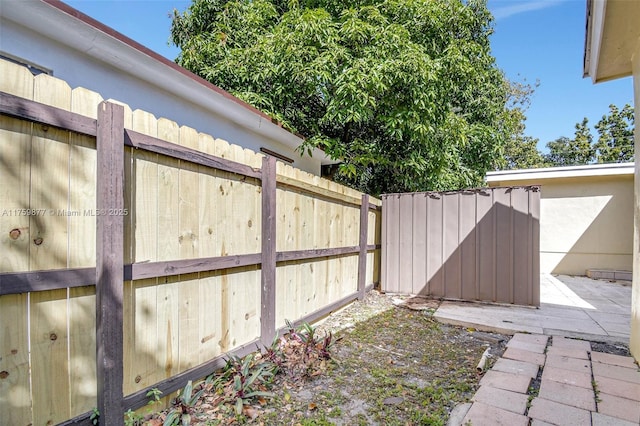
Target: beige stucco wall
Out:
[635,301]
[585,223]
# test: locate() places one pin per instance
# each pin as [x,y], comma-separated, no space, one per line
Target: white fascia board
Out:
[595,29]
[102,47]
[591,170]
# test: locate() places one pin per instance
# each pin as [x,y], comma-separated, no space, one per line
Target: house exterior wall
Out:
[635,302]
[585,222]
[81,69]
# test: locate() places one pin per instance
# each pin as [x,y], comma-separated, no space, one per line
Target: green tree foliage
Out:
[615,140]
[404,92]
[614,144]
[520,151]
[572,152]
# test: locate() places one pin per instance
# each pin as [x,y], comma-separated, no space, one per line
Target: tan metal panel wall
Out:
[474,244]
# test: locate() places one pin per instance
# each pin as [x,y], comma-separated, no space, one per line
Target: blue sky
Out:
[534,40]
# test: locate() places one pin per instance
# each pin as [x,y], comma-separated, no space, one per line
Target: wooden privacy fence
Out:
[158,248]
[480,244]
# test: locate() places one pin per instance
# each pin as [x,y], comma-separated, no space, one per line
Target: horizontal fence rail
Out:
[126,284]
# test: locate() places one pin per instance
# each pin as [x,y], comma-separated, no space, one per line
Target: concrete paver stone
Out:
[569,377]
[482,414]
[617,387]
[536,339]
[599,419]
[563,342]
[458,413]
[573,364]
[531,347]
[500,398]
[620,408]
[614,372]
[506,381]
[559,414]
[524,355]
[568,352]
[567,394]
[611,359]
[516,367]
[536,422]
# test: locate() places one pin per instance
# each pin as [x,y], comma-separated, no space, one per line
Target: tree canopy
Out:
[615,141]
[405,93]
[572,152]
[614,144]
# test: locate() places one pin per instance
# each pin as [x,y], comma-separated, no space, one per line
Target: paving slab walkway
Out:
[542,380]
[570,306]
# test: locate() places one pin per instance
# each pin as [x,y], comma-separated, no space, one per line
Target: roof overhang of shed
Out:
[591,170]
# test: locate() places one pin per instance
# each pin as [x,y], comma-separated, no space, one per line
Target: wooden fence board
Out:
[144,353]
[189,307]
[50,181]
[16,80]
[145,197]
[15,388]
[15,171]
[209,317]
[169,247]
[82,185]
[168,233]
[82,349]
[49,352]
[245,281]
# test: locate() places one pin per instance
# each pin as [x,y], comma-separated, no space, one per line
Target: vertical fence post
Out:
[268,276]
[109,261]
[362,255]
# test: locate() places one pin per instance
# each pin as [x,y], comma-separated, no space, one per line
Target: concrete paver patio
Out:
[570,306]
[577,385]
[610,395]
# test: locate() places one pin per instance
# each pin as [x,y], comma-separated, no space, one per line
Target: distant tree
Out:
[572,152]
[405,93]
[615,141]
[519,151]
[561,152]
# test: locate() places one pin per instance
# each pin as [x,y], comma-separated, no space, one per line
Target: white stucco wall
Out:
[585,223]
[635,302]
[79,69]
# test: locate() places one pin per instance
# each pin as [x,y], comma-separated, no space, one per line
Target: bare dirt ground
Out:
[395,367]
[392,364]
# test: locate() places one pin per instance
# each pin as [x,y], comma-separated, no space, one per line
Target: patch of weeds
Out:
[430,419]
[596,391]
[320,421]
[335,412]
[184,406]
[237,391]
[135,418]
[95,416]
